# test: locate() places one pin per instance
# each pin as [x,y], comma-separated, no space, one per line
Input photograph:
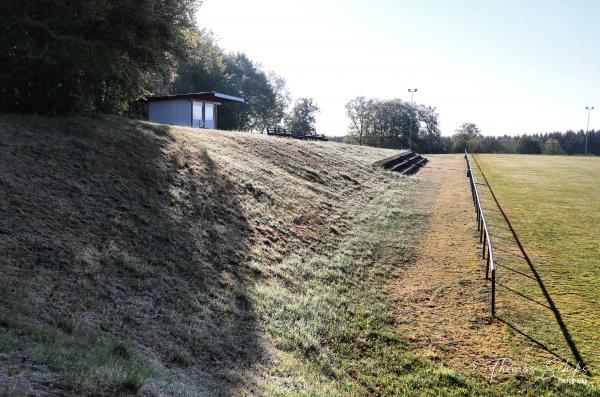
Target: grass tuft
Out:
[64,324]
[450,377]
[120,350]
[134,380]
[181,358]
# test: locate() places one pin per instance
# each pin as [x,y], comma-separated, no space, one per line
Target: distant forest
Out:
[569,142]
[397,124]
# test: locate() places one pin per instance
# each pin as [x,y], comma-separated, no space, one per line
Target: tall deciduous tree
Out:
[358,112]
[302,118]
[249,81]
[552,146]
[467,136]
[203,69]
[387,123]
[209,68]
[431,132]
[63,56]
[282,98]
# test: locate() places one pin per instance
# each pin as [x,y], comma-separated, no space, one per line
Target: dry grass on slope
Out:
[129,248]
[143,259]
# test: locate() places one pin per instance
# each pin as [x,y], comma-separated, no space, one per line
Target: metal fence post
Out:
[480,228]
[484,247]
[494,292]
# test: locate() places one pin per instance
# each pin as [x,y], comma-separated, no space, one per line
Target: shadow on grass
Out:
[579,362]
[118,227]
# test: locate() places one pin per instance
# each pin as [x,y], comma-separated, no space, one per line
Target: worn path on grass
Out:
[443,301]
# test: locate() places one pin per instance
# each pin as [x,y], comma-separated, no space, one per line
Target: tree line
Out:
[61,57]
[393,124]
[469,137]
[397,124]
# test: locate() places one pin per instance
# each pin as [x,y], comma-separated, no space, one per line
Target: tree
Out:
[282,98]
[387,123]
[246,79]
[302,119]
[552,146]
[209,68]
[431,134]
[467,136]
[358,112]
[529,145]
[204,67]
[66,56]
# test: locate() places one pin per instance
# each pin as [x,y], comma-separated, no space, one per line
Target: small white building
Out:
[196,110]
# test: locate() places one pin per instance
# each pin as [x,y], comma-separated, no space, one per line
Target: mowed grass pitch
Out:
[553,204]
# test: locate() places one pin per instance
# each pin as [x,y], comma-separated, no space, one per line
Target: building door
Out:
[197,114]
[209,115]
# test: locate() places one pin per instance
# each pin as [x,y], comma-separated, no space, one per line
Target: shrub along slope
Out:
[138,258]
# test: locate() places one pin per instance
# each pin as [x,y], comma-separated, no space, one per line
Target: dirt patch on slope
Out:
[443,301]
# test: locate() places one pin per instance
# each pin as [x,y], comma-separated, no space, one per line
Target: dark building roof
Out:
[201,96]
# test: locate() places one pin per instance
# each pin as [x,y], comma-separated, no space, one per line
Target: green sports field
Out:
[550,286]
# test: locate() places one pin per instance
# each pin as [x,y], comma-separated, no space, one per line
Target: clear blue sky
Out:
[509,66]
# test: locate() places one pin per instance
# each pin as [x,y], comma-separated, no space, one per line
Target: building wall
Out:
[172,111]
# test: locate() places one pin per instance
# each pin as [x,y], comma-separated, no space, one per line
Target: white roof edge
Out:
[229,97]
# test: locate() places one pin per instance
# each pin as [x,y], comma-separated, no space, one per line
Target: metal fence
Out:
[484,235]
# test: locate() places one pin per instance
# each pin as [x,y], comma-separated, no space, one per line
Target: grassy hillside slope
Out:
[138,258]
[130,238]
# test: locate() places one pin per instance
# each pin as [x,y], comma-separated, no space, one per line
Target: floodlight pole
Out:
[589,109]
[412,92]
